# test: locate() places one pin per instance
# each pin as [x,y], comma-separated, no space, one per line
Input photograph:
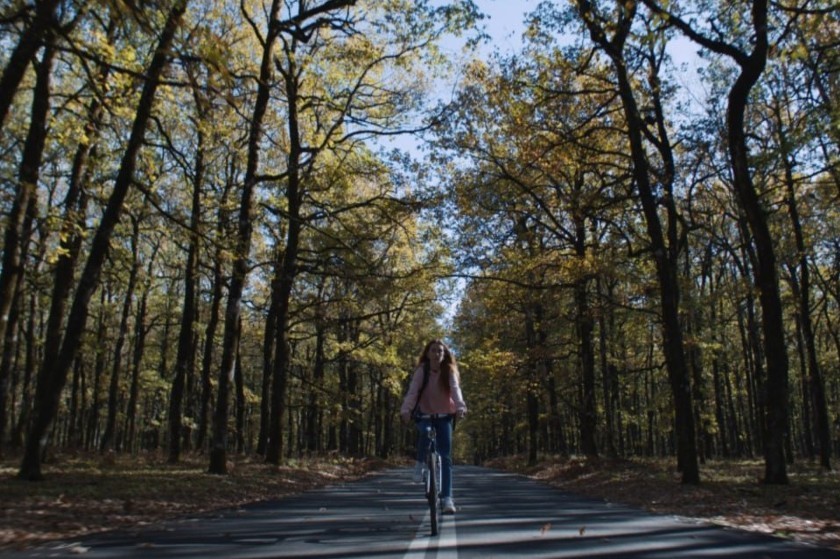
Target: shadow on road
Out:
[500,515]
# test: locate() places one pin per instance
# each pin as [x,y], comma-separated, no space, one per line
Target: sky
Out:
[505,20]
[505,23]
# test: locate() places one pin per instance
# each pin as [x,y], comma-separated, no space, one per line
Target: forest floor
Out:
[83,494]
[730,492]
[87,493]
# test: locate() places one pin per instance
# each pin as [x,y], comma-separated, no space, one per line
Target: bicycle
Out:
[432,479]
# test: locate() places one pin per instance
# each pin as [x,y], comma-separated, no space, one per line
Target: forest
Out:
[216,240]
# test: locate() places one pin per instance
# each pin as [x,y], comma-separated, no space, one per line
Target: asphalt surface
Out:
[500,515]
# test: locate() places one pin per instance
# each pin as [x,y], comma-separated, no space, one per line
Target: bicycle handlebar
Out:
[420,416]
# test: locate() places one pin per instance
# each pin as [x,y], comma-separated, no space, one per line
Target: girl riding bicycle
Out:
[435,394]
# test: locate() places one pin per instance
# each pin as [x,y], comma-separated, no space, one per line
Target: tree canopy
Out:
[211,243]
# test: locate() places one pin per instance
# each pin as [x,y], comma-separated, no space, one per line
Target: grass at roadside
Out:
[730,492]
[85,493]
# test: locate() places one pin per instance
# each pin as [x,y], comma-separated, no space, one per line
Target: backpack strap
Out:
[422,388]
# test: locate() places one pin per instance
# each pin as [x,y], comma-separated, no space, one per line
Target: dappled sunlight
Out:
[89,493]
[730,493]
[500,515]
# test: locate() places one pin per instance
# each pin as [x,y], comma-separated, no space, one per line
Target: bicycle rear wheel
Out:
[433,490]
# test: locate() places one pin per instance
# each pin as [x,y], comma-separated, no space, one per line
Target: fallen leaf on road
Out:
[545,528]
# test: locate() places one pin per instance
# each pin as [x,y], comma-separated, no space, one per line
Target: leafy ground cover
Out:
[730,493]
[83,494]
[90,493]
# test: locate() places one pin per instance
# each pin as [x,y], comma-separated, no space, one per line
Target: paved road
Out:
[500,516]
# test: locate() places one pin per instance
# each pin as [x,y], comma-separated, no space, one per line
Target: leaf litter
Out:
[730,492]
[84,493]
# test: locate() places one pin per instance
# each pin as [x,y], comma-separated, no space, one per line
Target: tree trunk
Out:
[274,449]
[532,352]
[130,427]
[28,175]
[585,326]
[343,384]
[664,256]
[313,410]
[693,324]
[718,386]
[269,353]
[240,400]
[185,358]
[294,198]
[25,406]
[73,220]
[230,341]
[775,425]
[98,373]
[766,277]
[53,373]
[19,226]
[115,396]
[354,408]
[210,331]
[15,330]
[803,299]
[28,44]
[9,353]
[607,381]
[288,269]
[754,366]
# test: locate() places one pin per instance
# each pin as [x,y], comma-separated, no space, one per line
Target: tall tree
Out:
[352,99]
[296,26]
[140,332]
[54,368]
[546,179]
[109,436]
[664,245]
[230,342]
[185,358]
[24,204]
[751,61]
[74,207]
[800,273]
[24,52]
[217,280]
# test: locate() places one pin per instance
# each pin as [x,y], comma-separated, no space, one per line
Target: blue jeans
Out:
[443,428]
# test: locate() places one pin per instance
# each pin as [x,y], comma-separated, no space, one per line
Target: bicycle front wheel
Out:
[433,492]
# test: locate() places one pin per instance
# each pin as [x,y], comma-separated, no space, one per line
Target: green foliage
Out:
[522,207]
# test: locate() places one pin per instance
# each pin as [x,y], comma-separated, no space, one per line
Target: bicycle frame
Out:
[432,479]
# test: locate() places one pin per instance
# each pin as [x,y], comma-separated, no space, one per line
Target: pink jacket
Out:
[434,399]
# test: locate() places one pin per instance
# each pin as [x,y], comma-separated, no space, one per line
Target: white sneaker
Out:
[448,505]
[418,472]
